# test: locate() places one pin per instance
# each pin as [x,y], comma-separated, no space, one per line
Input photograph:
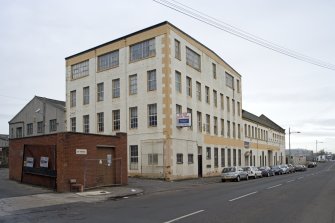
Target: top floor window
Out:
[193,59]
[142,50]
[108,60]
[79,70]
[177,49]
[229,80]
[214,70]
[238,86]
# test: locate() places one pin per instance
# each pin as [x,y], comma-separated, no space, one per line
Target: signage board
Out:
[246,144]
[184,120]
[81,151]
[44,161]
[29,162]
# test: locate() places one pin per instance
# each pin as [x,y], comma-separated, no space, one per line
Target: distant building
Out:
[3,150]
[299,156]
[39,117]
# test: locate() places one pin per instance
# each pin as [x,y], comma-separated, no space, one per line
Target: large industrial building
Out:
[178,101]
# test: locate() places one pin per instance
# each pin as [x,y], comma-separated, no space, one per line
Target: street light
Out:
[289,143]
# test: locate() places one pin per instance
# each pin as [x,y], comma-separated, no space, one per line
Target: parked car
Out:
[291,168]
[252,171]
[300,168]
[311,164]
[285,168]
[233,173]
[277,170]
[266,171]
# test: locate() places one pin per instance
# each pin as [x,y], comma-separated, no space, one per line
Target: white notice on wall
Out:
[44,162]
[29,162]
[81,151]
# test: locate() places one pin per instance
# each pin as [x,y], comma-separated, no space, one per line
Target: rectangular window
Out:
[190,158]
[100,91]
[208,153]
[193,59]
[178,109]
[216,157]
[100,121]
[229,157]
[207,94]
[73,99]
[214,70]
[208,125]
[86,95]
[189,86]
[238,86]
[152,115]
[215,98]
[108,60]
[52,125]
[19,132]
[198,91]
[239,131]
[39,127]
[229,80]
[189,110]
[178,81]
[239,155]
[223,158]
[142,50]
[177,49]
[116,120]
[80,70]
[29,129]
[199,121]
[228,104]
[73,123]
[133,118]
[152,83]
[153,159]
[222,127]
[234,130]
[234,157]
[238,109]
[245,130]
[215,126]
[179,158]
[233,106]
[133,164]
[116,88]
[221,101]
[133,84]
[228,129]
[86,123]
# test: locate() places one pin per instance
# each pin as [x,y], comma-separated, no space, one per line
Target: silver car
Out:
[233,173]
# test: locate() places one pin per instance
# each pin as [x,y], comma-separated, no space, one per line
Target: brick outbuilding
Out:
[55,160]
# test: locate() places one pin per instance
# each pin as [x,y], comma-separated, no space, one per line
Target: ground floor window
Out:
[216,157]
[223,157]
[179,158]
[153,159]
[133,164]
[190,158]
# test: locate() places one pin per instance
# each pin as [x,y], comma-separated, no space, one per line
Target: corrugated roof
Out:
[262,120]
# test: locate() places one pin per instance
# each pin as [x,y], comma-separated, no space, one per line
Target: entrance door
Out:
[199,165]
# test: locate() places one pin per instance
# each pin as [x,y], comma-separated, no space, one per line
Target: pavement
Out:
[20,197]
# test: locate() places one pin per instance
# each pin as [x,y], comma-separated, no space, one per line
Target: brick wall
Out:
[70,165]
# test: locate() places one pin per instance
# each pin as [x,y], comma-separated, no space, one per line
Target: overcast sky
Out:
[37,35]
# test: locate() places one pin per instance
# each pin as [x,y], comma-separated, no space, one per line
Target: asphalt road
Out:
[302,197]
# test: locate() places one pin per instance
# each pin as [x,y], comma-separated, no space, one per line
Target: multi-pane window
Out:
[86,123]
[108,60]
[198,91]
[233,105]
[179,158]
[207,94]
[86,95]
[238,108]
[133,118]
[177,49]
[80,70]
[238,86]
[153,159]
[178,81]
[239,131]
[221,101]
[116,120]
[223,158]
[30,129]
[228,104]
[19,132]
[100,91]
[215,98]
[189,86]
[133,164]
[190,112]
[215,125]
[178,109]
[39,127]
[100,121]
[193,59]
[222,127]
[73,123]
[229,80]
[142,50]
[190,158]
[216,157]
[199,121]
[133,84]
[73,99]
[152,115]
[208,153]
[208,125]
[234,130]
[214,70]
[228,129]
[116,88]
[152,83]
[52,125]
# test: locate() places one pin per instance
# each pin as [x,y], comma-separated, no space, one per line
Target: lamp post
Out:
[316,148]
[289,143]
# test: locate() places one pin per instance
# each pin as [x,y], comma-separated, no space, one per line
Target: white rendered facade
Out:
[160,149]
